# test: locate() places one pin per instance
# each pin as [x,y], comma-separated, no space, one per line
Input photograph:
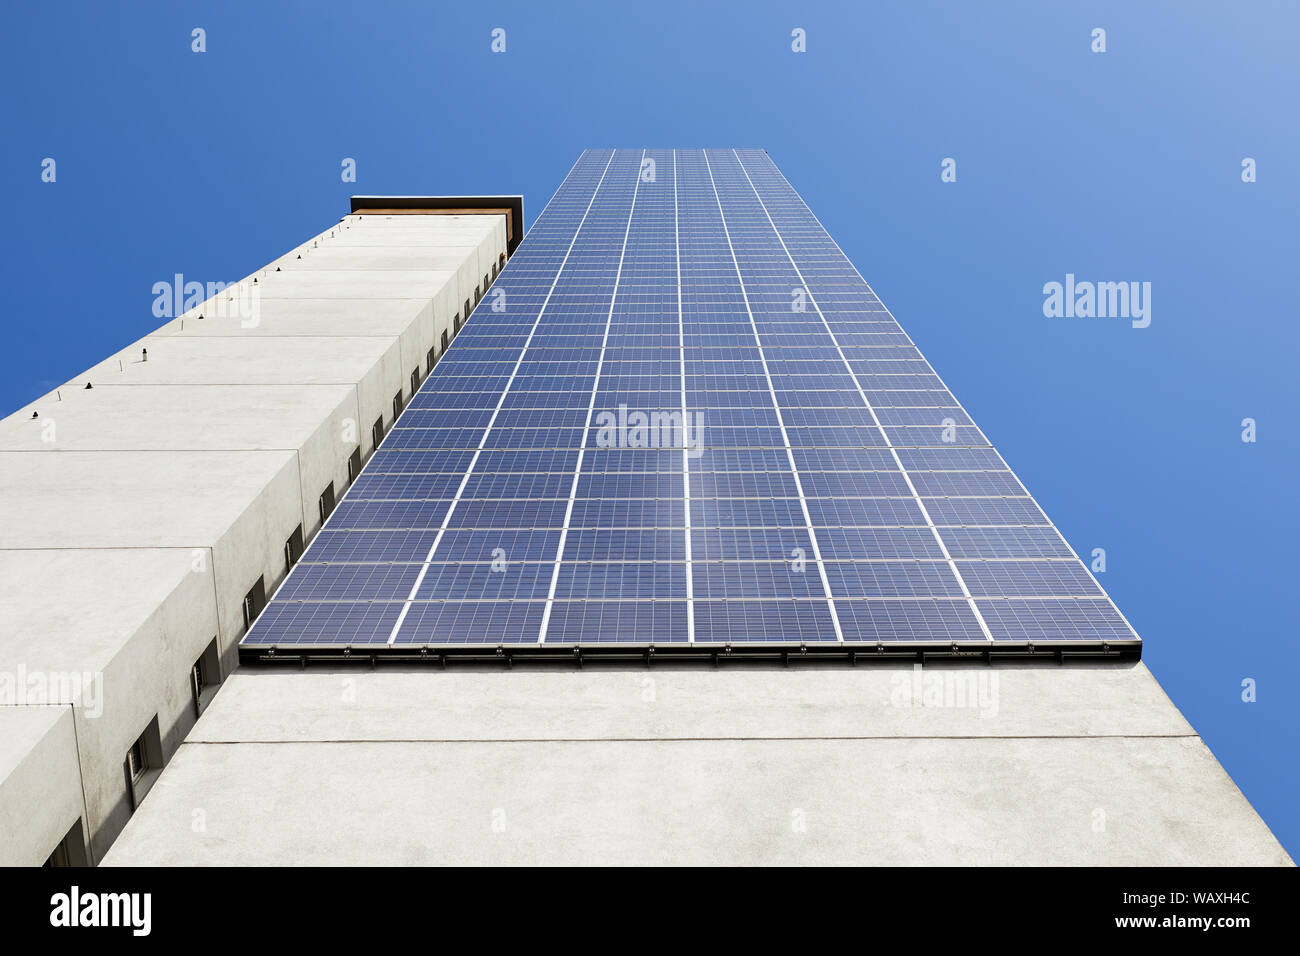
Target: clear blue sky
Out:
[1117,166]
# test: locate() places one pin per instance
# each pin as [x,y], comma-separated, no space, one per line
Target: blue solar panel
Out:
[502,581]
[468,622]
[693,424]
[754,579]
[349,582]
[764,621]
[614,621]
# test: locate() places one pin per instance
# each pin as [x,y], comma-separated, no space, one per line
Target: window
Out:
[478,293]
[494,270]
[135,760]
[444,334]
[254,601]
[432,359]
[465,311]
[455,324]
[377,431]
[415,380]
[326,503]
[293,549]
[71,850]
[354,465]
[486,283]
[205,675]
[143,763]
[397,405]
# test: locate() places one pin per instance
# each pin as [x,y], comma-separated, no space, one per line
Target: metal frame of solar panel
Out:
[808,488]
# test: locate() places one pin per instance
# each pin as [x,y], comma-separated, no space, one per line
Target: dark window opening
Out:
[205,675]
[135,760]
[71,850]
[415,380]
[431,359]
[397,405]
[377,431]
[444,333]
[354,465]
[326,503]
[293,549]
[478,294]
[254,601]
[143,763]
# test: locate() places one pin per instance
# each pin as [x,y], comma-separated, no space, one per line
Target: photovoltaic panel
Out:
[683,421]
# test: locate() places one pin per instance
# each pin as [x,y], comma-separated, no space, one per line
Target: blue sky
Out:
[1117,166]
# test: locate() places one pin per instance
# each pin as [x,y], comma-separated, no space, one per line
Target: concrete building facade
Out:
[1084,764]
[149,506]
[132,543]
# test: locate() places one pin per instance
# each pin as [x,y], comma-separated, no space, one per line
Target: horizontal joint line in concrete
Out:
[668,740]
[387,336]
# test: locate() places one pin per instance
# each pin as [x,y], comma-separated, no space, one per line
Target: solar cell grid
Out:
[693,424]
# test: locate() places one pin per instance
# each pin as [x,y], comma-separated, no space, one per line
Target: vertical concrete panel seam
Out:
[87,834]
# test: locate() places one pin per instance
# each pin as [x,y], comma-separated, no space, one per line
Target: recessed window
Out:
[444,334]
[397,405]
[466,311]
[293,549]
[326,502]
[432,359]
[478,293]
[135,764]
[205,675]
[254,601]
[143,763]
[486,283]
[71,850]
[494,270]
[455,325]
[377,431]
[415,380]
[354,465]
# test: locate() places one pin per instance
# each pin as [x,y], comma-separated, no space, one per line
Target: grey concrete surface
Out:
[136,515]
[318,318]
[112,641]
[184,417]
[243,360]
[40,783]
[272,704]
[1044,765]
[106,499]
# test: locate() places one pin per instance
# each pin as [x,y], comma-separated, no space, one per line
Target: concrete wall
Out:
[1046,765]
[40,782]
[135,515]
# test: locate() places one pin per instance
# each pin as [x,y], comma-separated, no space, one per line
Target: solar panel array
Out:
[683,419]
